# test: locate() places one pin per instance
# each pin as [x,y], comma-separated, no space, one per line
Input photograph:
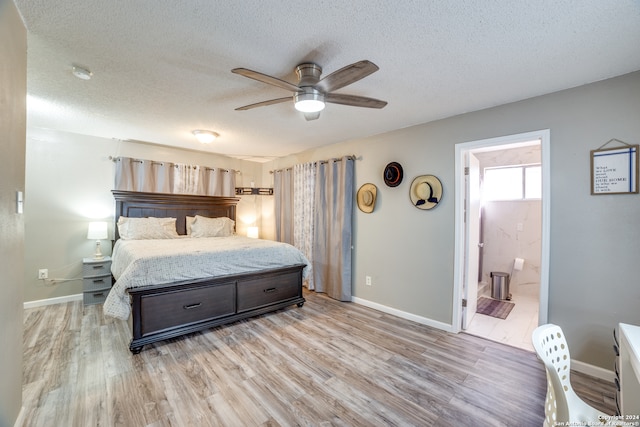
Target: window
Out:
[512,183]
[533,182]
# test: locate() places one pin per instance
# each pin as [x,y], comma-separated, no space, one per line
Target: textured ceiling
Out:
[163,67]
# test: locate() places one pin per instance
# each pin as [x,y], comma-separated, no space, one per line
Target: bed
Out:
[212,291]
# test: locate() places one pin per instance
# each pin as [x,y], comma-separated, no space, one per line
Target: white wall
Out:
[13,122]
[595,240]
[69,178]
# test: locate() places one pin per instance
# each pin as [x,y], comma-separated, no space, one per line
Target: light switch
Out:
[520,226]
[19,202]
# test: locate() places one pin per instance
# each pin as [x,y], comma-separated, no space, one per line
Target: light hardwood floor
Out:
[327,363]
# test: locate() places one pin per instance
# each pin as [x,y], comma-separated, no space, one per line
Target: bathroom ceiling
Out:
[163,68]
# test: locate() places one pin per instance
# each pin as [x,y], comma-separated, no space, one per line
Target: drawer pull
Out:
[190,306]
[270,290]
[97,267]
[98,281]
[99,294]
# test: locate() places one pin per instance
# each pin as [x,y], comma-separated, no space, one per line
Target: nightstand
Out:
[96,279]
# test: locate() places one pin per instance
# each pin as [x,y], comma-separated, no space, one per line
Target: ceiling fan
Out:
[311,92]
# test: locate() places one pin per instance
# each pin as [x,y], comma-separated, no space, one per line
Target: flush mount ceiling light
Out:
[309,101]
[81,73]
[205,136]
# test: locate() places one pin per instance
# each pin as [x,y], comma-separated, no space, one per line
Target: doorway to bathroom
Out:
[502,235]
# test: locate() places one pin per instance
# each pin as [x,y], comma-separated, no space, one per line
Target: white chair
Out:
[562,404]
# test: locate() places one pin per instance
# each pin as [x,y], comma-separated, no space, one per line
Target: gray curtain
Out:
[218,182]
[332,228]
[143,175]
[165,177]
[228,182]
[283,194]
[124,174]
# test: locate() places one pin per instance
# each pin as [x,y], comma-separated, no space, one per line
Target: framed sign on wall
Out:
[614,170]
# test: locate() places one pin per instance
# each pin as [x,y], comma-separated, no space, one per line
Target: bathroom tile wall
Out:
[512,229]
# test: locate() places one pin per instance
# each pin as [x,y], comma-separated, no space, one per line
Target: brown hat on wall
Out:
[367,197]
[393,174]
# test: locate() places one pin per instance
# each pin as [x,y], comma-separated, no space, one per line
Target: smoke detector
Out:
[81,73]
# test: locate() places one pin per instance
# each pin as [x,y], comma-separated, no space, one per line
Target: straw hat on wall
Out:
[425,192]
[367,197]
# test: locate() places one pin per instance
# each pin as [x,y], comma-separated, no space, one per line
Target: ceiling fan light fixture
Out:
[205,136]
[311,92]
[309,102]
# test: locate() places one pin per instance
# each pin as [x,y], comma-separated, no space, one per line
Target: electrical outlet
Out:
[43,273]
[367,280]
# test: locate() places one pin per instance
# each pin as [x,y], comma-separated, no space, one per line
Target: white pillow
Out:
[189,222]
[147,228]
[212,227]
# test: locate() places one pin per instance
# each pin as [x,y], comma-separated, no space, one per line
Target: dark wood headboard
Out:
[160,205]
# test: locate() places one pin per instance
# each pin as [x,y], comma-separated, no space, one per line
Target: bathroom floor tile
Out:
[517,328]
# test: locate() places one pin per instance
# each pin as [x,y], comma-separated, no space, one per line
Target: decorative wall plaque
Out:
[614,170]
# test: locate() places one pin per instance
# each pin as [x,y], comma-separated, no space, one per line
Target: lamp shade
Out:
[97,230]
[252,232]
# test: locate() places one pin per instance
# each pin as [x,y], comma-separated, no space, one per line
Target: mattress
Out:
[137,263]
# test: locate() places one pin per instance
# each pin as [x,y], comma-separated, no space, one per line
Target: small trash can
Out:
[500,285]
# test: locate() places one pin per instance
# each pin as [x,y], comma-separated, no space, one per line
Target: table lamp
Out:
[97,232]
[252,232]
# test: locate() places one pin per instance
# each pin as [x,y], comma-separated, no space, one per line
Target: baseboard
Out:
[594,371]
[51,301]
[404,315]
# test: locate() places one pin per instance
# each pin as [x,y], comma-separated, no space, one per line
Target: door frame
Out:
[472,209]
[544,136]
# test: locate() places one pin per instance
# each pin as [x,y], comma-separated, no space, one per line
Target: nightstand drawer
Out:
[96,268]
[95,297]
[96,283]
[96,280]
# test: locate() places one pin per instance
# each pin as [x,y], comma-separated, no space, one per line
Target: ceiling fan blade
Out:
[266,79]
[354,101]
[312,116]
[265,103]
[347,75]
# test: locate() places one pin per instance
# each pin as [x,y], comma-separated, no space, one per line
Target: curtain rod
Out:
[335,159]
[153,162]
